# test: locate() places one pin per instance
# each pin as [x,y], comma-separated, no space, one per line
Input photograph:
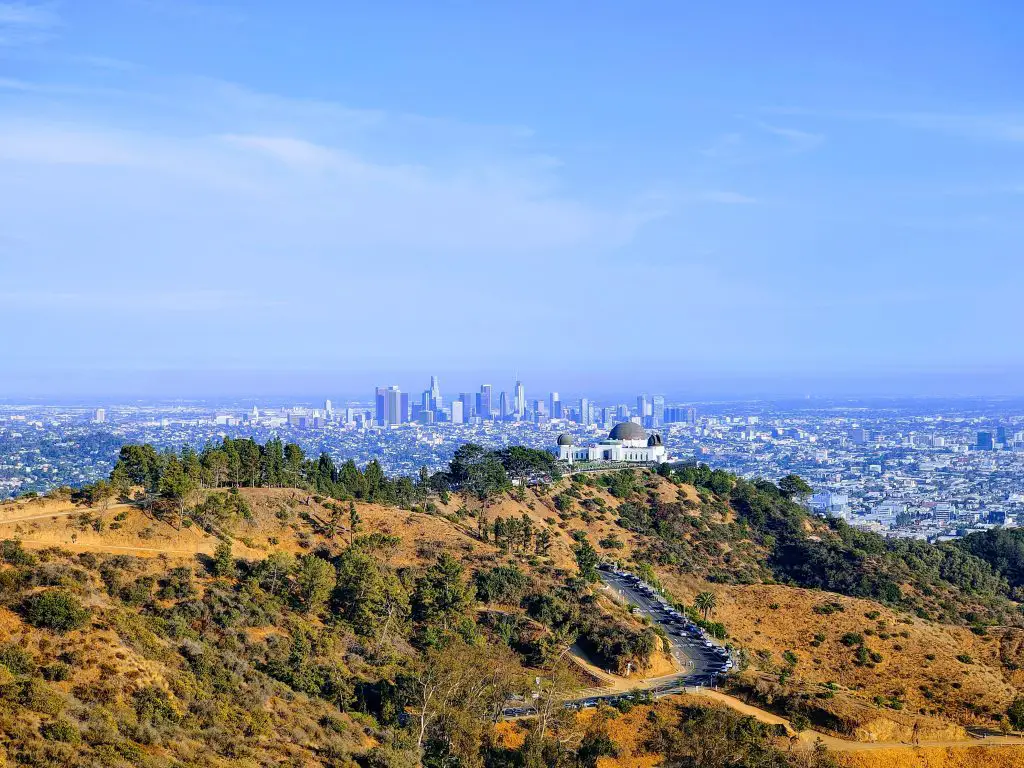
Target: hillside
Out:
[261,625]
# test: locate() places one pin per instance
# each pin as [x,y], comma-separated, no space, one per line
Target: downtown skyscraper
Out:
[554,406]
[483,402]
[392,405]
[436,403]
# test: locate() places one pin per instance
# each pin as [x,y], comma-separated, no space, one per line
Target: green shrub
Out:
[17,660]
[57,672]
[827,609]
[59,730]
[611,541]
[12,552]
[55,609]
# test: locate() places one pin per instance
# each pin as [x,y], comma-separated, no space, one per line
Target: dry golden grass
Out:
[919,664]
[934,757]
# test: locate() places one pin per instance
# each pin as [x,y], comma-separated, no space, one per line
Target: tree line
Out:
[178,475]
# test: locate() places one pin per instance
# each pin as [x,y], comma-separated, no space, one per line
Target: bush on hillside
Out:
[55,609]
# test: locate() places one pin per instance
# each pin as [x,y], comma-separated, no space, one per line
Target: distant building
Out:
[626,443]
[586,417]
[679,415]
[99,416]
[828,504]
[392,406]
[520,401]
[554,406]
[467,399]
[458,414]
[944,512]
[985,442]
[436,403]
[643,407]
[329,410]
[503,412]
[607,417]
[483,402]
[658,410]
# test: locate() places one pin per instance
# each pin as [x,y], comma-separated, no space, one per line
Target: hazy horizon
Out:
[307,385]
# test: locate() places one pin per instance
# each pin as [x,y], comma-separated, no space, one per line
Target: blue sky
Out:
[784,196]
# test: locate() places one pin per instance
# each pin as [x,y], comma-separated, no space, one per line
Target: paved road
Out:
[700,658]
[700,661]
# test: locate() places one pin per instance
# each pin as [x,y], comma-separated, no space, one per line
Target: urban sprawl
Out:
[929,469]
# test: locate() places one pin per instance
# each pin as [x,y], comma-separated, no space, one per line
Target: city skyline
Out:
[173,384]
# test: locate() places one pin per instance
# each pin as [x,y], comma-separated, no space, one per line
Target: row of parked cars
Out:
[594,701]
[679,625]
[717,659]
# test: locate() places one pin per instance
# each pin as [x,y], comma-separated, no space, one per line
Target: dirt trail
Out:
[842,745]
[86,547]
[614,684]
[37,516]
[203,545]
[610,683]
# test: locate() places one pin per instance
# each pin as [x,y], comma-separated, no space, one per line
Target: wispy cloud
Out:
[991,126]
[988,127]
[135,300]
[726,198]
[193,9]
[798,140]
[256,173]
[726,146]
[764,141]
[22,23]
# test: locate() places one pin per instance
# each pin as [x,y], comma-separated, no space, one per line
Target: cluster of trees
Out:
[1003,550]
[837,557]
[516,534]
[956,581]
[485,473]
[177,476]
[616,646]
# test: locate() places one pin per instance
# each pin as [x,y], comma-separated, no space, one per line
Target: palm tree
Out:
[705,602]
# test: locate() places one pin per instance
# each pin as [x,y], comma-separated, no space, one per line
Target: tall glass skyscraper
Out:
[392,406]
[483,402]
[436,403]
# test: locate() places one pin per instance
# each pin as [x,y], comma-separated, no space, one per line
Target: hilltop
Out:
[246,625]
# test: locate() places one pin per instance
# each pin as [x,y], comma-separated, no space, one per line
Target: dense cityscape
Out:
[913,468]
